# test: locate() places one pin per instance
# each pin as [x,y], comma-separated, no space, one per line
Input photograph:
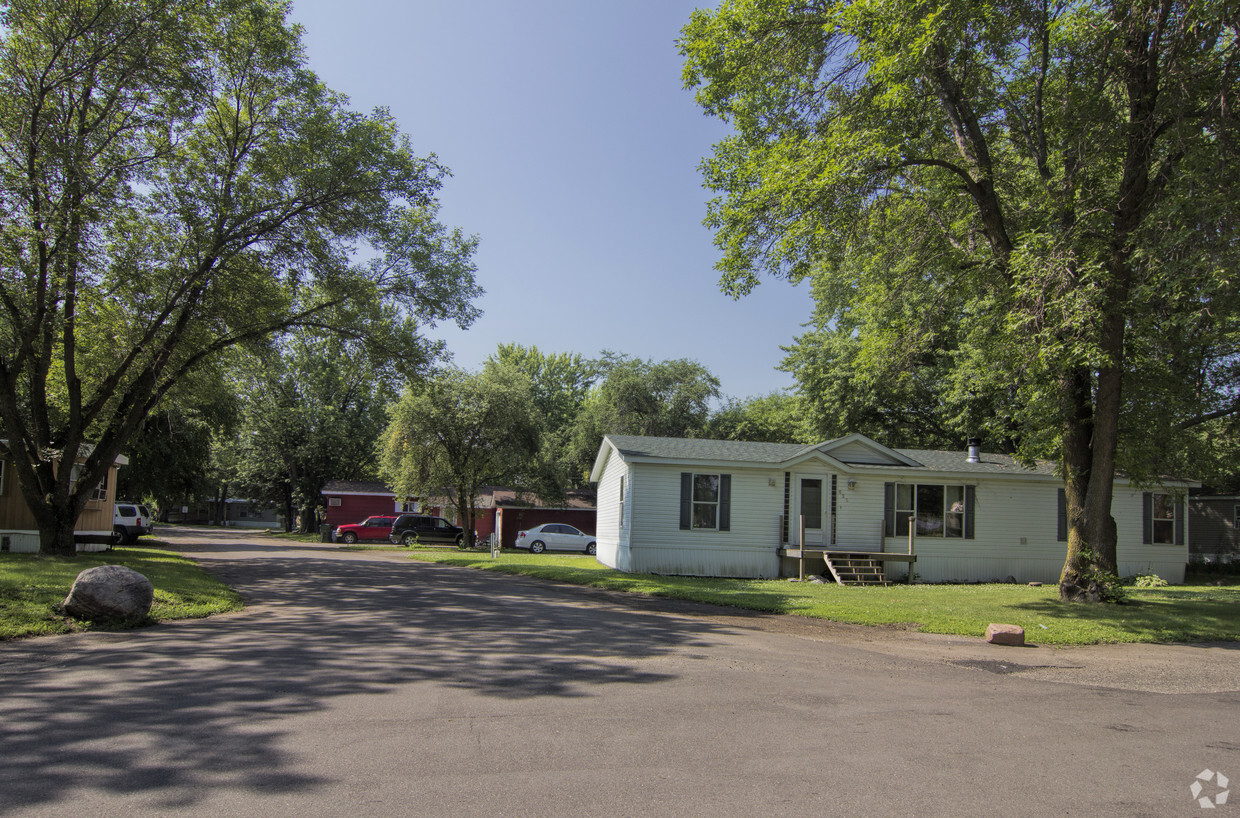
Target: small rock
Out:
[110,593]
[999,634]
[1035,585]
[817,580]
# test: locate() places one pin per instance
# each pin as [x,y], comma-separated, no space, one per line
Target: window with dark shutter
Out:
[686,500]
[705,501]
[889,507]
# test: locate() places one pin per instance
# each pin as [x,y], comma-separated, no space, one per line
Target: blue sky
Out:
[574,150]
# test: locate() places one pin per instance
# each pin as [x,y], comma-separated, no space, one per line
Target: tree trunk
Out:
[288,510]
[56,532]
[1089,446]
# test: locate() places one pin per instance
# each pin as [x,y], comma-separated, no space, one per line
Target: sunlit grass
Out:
[32,586]
[1170,614]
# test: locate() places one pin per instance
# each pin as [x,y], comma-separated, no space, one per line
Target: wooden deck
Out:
[852,567]
[820,553]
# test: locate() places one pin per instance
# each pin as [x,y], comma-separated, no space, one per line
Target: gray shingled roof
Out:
[680,448]
[684,449]
[989,463]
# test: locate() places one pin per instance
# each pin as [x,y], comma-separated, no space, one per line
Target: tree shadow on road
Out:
[169,712]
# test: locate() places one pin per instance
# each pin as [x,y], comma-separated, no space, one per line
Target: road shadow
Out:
[169,711]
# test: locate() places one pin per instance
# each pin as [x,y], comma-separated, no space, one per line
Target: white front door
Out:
[811,510]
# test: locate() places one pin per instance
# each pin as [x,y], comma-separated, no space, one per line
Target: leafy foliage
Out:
[1017,218]
[457,432]
[313,410]
[773,418]
[635,397]
[173,183]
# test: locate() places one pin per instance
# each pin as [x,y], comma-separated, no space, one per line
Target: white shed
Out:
[741,509]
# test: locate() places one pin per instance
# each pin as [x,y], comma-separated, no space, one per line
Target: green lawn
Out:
[1183,613]
[31,586]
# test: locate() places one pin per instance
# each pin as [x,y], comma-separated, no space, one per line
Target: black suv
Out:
[410,527]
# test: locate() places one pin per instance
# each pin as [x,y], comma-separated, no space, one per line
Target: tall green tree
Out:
[171,454]
[460,431]
[174,182]
[635,397]
[313,410]
[774,418]
[1051,183]
[560,383]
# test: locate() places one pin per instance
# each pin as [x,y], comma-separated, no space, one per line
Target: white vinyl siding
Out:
[657,544]
[858,452]
[611,523]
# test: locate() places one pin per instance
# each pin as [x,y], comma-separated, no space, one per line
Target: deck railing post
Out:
[801,533]
[912,527]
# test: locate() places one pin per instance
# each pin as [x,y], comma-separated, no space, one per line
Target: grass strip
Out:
[1176,613]
[32,586]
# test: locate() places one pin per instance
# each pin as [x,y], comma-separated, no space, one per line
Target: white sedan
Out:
[555,537]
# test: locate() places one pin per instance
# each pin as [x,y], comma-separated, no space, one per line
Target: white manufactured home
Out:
[739,509]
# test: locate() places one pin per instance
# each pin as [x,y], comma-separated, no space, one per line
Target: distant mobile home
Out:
[740,509]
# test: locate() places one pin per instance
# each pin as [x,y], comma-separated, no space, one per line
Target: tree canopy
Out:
[456,432]
[1027,207]
[312,410]
[174,182]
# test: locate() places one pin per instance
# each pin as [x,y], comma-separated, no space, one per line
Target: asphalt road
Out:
[364,684]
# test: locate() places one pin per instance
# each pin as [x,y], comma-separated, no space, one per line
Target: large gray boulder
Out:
[110,594]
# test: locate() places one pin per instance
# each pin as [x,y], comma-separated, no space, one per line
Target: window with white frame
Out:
[938,510]
[1162,518]
[705,501]
[622,501]
[98,494]
[101,491]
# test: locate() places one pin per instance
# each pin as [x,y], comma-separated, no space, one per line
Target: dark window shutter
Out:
[833,495]
[725,502]
[889,507]
[1179,522]
[1147,518]
[1062,514]
[970,500]
[686,500]
[787,494]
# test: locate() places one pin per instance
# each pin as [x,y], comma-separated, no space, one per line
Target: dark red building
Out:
[497,509]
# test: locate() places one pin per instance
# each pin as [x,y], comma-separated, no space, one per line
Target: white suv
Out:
[129,521]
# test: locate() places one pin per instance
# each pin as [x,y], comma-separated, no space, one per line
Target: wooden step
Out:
[856,569]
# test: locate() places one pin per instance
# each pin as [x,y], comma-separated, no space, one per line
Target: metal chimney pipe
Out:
[975,450]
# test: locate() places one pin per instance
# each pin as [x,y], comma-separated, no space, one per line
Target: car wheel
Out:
[119,537]
[349,538]
[460,541]
[591,549]
[537,547]
[408,539]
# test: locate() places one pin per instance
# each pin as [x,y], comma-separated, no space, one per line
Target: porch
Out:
[845,567]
